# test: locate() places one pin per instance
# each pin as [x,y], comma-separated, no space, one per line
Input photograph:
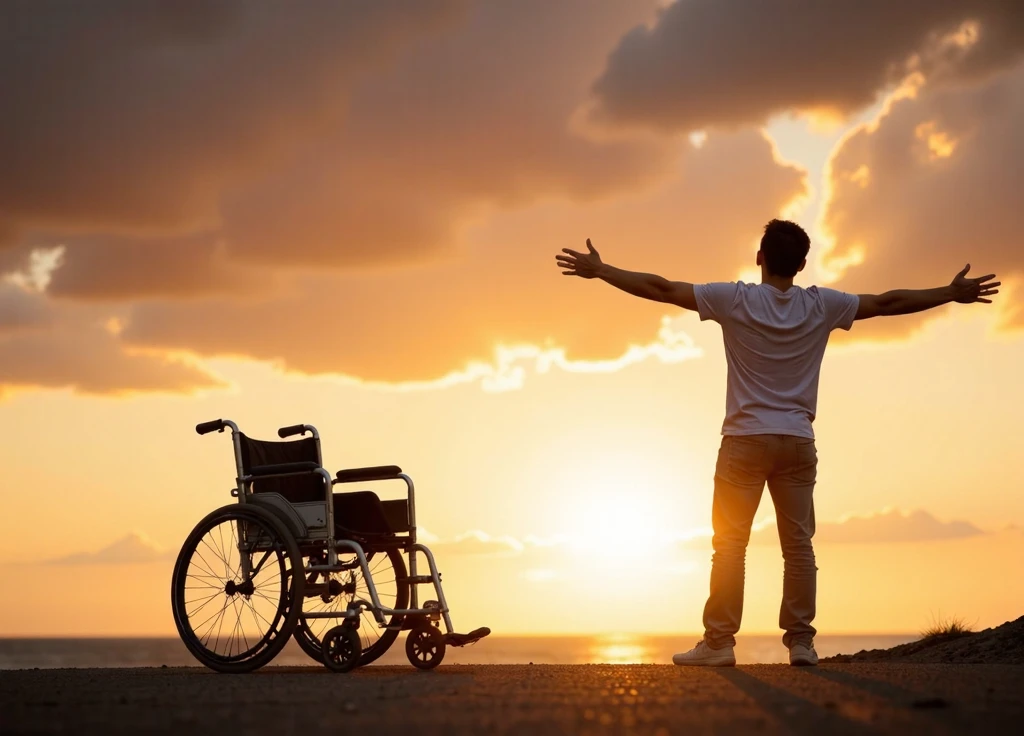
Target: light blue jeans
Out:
[789,466]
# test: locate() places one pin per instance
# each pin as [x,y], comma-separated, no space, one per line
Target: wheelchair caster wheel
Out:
[341,648]
[425,647]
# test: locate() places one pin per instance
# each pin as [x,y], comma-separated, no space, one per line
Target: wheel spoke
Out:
[236,543]
[220,625]
[269,582]
[256,613]
[383,570]
[234,628]
[241,629]
[252,612]
[214,616]
[202,585]
[259,566]
[261,595]
[205,603]
[220,534]
[216,555]
[201,594]
[207,569]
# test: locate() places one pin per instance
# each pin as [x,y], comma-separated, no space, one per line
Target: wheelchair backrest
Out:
[295,488]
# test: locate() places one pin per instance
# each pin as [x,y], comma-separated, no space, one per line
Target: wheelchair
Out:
[292,558]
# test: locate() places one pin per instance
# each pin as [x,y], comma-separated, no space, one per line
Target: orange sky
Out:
[359,236]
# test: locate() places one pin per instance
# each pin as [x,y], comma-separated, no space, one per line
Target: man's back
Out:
[775,337]
[774,344]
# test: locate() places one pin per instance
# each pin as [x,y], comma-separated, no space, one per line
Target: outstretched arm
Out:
[908,301]
[644,285]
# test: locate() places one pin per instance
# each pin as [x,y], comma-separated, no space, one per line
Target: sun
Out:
[622,509]
[617,526]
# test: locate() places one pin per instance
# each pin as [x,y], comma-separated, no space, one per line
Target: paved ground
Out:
[534,700]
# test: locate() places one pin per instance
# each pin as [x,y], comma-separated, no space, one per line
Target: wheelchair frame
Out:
[241,492]
[299,525]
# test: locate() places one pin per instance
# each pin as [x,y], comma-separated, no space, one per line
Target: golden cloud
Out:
[945,176]
[422,323]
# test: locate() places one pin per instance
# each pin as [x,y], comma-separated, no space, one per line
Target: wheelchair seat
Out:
[363,514]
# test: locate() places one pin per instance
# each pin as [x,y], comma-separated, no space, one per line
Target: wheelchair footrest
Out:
[461,640]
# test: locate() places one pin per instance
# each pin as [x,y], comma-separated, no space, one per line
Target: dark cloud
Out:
[43,345]
[420,178]
[733,62]
[21,310]
[436,141]
[286,137]
[936,184]
[424,322]
[120,268]
[133,117]
[91,363]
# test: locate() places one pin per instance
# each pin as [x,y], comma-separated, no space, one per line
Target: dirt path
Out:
[642,699]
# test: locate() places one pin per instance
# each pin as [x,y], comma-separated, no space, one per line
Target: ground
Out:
[529,699]
[999,645]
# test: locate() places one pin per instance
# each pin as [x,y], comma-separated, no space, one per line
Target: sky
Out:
[346,215]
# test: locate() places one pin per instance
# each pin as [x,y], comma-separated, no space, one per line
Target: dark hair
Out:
[785,246]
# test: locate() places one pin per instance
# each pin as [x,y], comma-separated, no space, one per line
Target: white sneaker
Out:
[803,655]
[704,656]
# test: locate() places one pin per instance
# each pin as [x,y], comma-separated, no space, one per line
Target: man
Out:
[775,335]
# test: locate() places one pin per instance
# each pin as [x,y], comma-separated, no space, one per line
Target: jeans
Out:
[789,466]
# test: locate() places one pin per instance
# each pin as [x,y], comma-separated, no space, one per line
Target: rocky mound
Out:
[1001,645]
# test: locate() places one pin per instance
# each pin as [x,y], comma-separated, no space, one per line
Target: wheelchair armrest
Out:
[361,475]
[284,469]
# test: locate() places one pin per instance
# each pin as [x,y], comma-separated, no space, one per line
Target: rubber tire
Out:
[311,645]
[438,638]
[352,635]
[291,617]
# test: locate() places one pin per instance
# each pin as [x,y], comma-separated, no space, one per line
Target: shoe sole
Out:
[802,663]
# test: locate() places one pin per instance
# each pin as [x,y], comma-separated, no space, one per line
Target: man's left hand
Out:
[584,265]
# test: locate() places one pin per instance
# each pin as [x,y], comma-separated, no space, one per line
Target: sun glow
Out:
[621,649]
[613,527]
[621,501]
[618,513]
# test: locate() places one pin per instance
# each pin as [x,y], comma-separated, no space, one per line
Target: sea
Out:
[51,653]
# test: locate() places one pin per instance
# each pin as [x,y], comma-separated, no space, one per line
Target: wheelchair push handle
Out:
[292,430]
[214,426]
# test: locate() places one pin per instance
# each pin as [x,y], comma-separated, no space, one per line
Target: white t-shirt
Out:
[774,343]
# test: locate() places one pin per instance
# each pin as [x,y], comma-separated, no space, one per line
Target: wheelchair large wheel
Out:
[229,620]
[387,569]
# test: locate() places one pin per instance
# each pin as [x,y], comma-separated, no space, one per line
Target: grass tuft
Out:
[947,628]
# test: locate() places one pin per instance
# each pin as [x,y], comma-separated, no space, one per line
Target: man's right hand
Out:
[968,291]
